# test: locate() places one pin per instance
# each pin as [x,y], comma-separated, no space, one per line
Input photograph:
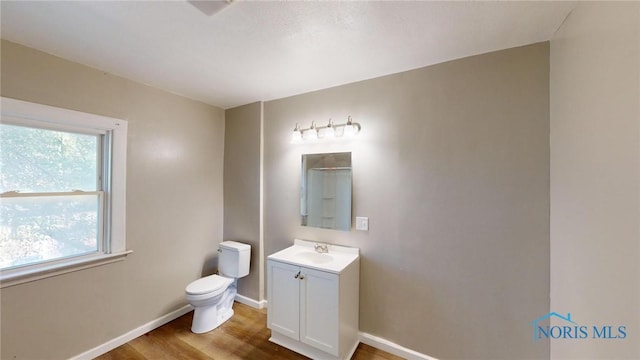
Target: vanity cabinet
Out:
[313,311]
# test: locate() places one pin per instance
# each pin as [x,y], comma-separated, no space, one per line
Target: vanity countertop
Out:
[303,253]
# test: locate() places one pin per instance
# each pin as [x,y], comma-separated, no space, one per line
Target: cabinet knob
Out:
[301,277]
[297,275]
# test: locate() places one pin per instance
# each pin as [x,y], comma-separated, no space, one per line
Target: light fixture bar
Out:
[314,132]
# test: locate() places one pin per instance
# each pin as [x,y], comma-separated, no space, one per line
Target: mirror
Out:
[325,191]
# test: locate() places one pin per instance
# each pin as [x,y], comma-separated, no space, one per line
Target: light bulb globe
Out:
[296,137]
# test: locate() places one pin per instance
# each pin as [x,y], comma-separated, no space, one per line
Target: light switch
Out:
[362,223]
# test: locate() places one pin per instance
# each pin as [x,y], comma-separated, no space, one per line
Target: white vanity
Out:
[313,296]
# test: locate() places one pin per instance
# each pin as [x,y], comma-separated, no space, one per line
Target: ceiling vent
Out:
[210,7]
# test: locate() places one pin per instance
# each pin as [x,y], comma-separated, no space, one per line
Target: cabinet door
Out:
[283,311]
[319,313]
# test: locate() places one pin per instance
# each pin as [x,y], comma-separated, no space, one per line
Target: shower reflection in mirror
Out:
[325,191]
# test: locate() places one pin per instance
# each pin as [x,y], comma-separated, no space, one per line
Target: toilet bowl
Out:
[212,296]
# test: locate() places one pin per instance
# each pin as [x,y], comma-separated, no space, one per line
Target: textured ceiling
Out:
[264,50]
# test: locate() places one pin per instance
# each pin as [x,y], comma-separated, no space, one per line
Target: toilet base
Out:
[201,319]
[207,318]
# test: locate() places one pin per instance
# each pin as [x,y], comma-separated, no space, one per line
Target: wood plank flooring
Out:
[244,336]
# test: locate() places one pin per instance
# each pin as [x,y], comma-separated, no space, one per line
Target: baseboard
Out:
[125,338]
[393,348]
[251,302]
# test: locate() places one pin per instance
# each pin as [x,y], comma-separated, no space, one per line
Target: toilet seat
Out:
[212,285]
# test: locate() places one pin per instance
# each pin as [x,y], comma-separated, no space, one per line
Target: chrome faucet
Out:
[321,248]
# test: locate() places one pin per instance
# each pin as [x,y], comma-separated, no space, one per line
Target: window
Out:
[62,190]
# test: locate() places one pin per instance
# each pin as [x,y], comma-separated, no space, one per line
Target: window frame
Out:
[113,184]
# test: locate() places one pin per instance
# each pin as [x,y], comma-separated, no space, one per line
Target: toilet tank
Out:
[234,259]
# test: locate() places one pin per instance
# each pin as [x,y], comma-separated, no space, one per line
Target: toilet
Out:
[212,296]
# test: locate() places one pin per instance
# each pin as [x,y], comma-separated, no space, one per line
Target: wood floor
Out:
[244,336]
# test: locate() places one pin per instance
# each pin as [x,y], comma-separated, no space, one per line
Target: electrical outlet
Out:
[362,223]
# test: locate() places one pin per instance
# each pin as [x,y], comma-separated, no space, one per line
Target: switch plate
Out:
[362,223]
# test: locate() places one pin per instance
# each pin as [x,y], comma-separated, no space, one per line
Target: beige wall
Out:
[242,187]
[595,177]
[174,210]
[452,169]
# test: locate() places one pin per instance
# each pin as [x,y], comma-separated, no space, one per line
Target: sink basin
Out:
[314,257]
[302,253]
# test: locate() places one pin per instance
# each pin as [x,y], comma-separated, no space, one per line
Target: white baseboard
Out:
[125,338]
[251,302]
[393,348]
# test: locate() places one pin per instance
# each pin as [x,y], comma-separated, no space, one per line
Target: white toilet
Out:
[212,296]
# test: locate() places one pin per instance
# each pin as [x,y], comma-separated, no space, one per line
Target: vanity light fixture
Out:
[329,131]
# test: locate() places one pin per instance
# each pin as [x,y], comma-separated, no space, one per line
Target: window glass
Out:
[51,206]
[41,160]
[42,228]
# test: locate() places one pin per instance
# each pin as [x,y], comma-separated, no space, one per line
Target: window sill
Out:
[13,278]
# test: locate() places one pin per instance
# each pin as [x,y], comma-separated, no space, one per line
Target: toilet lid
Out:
[213,283]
